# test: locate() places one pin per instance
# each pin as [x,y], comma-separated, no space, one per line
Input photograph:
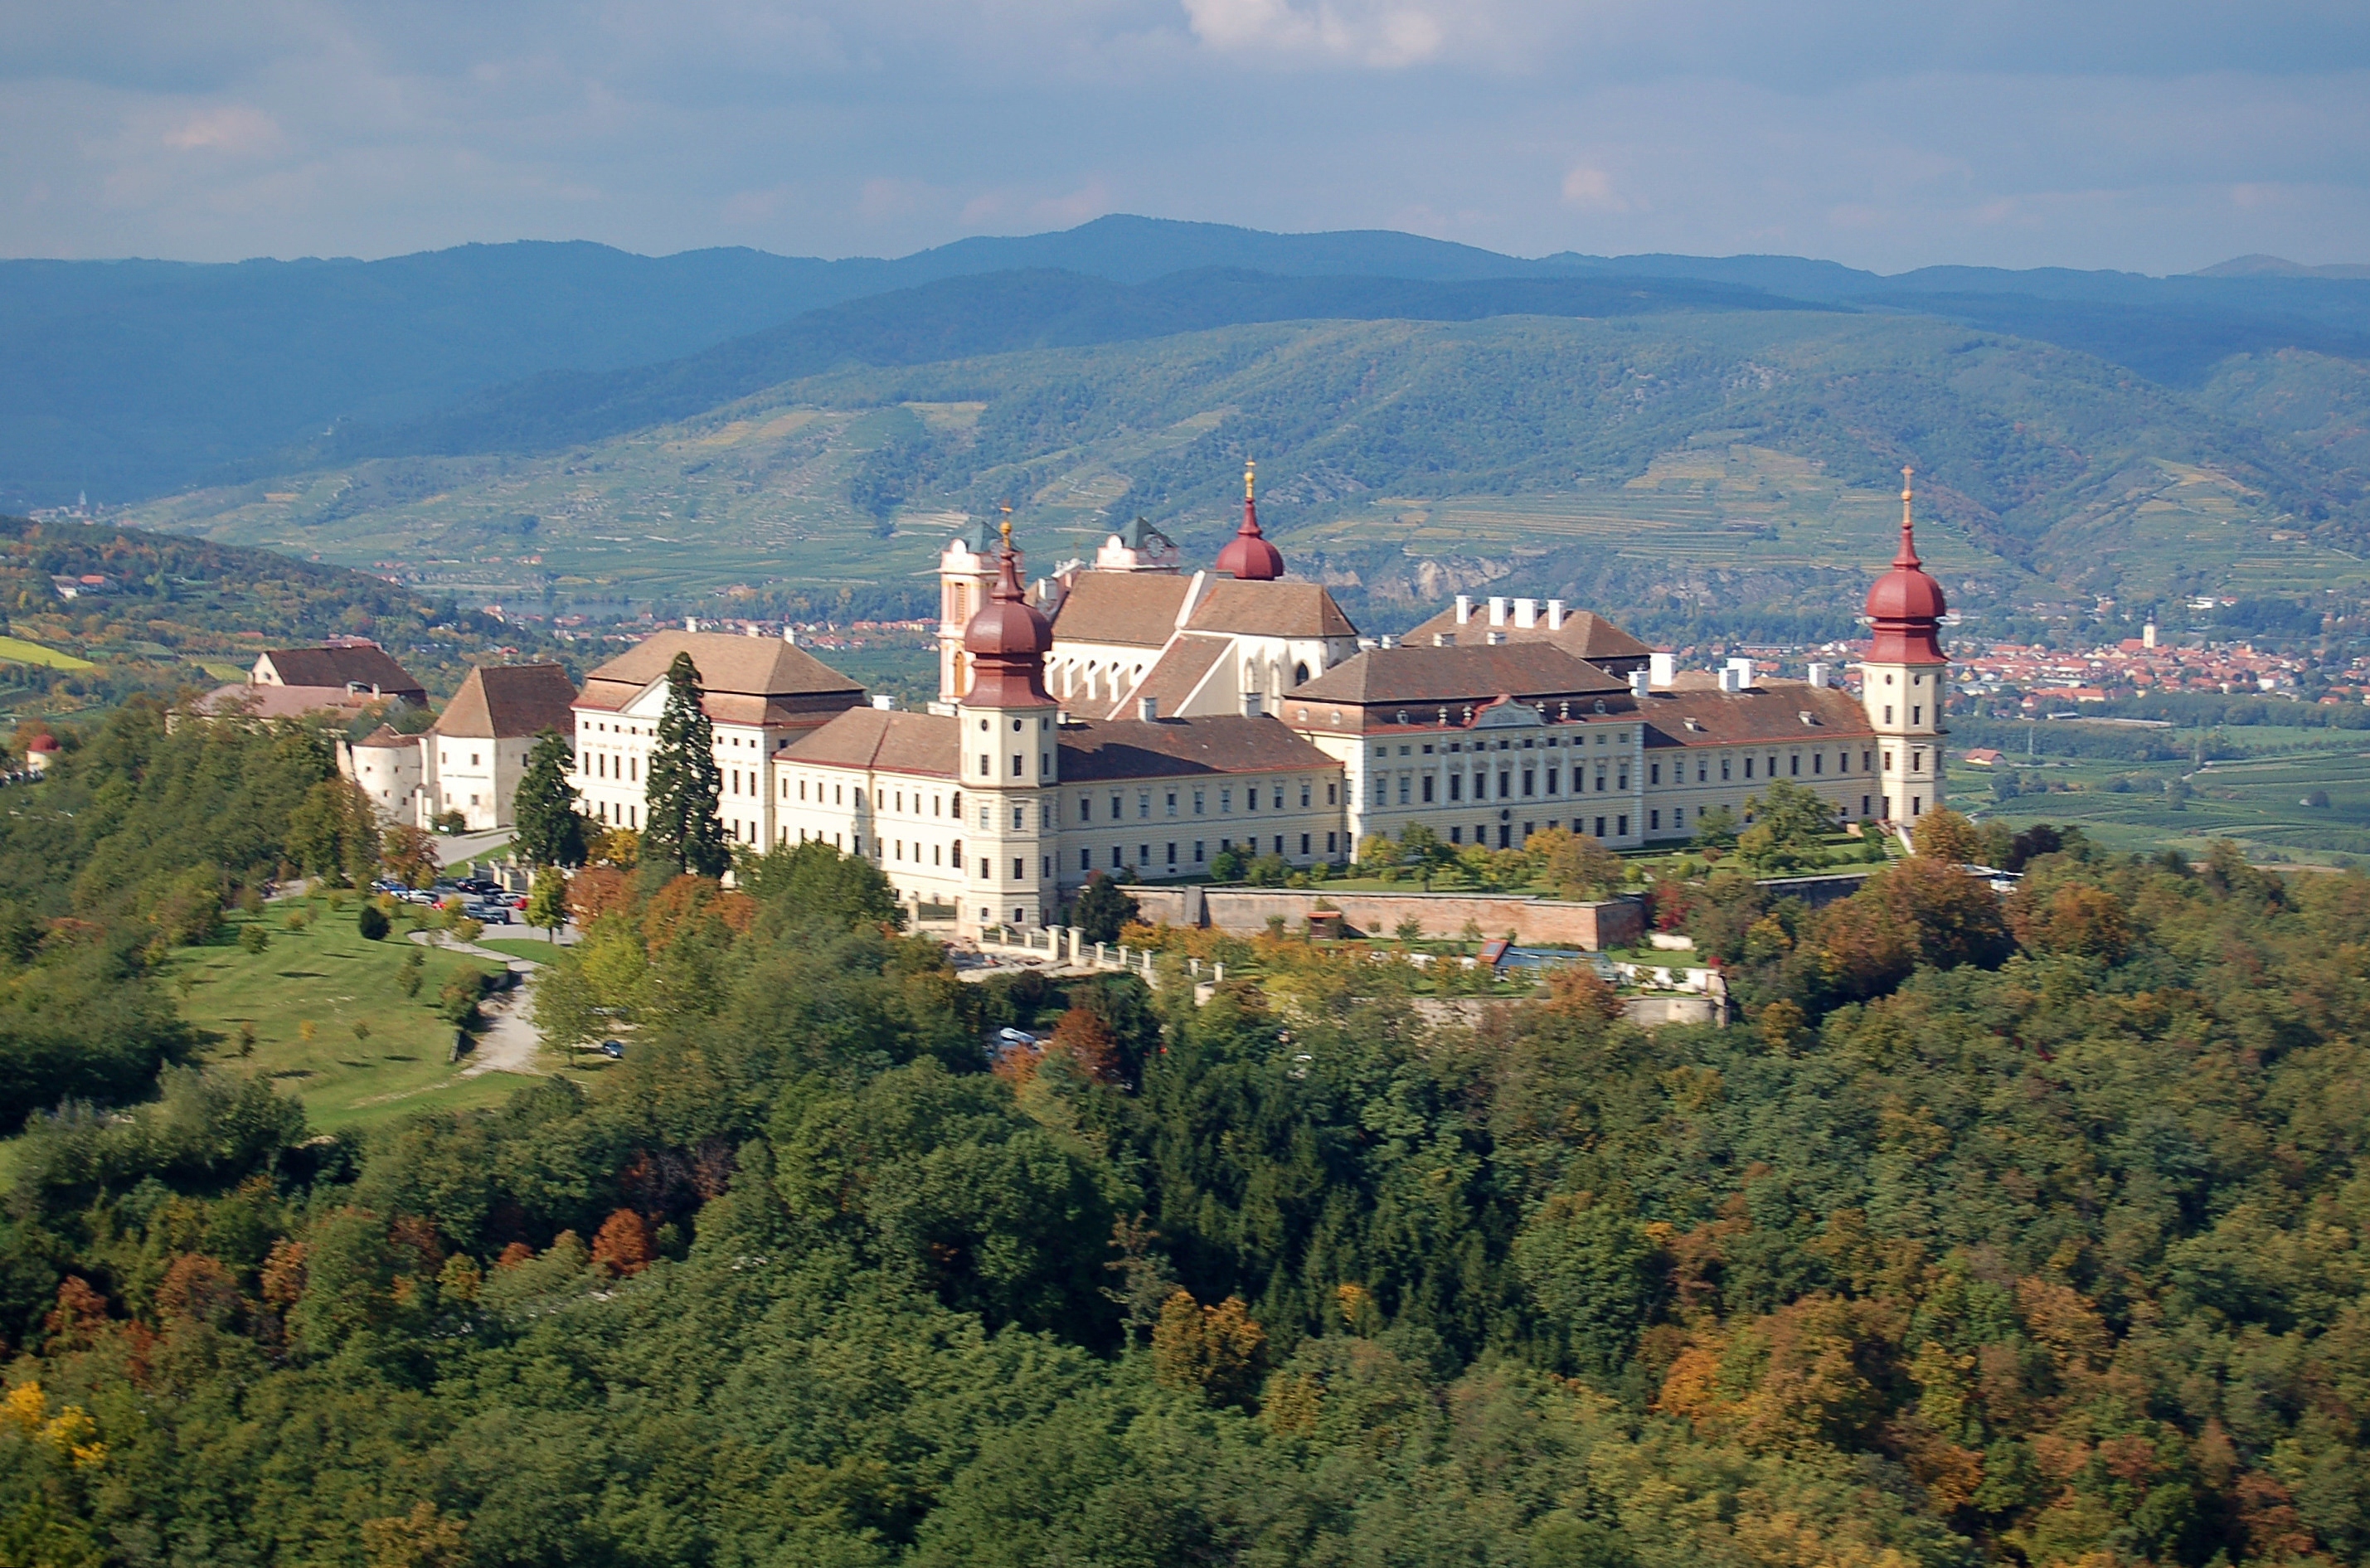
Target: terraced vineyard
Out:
[2258,801]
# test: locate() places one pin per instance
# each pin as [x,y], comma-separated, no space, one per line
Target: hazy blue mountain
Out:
[132,378]
[965,317]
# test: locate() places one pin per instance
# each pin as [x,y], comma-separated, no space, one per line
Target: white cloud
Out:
[233,128]
[1592,190]
[1388,36]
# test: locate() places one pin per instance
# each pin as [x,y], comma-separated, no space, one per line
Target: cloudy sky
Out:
[2159,135]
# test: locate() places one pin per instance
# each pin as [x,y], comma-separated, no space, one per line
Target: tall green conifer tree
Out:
[550,829]
[680,824]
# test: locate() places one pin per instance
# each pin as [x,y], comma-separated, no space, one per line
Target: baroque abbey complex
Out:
[1129,716]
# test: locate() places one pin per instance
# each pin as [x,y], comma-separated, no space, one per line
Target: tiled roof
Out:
[504,702]
[1170,682]
[1270,610]
[891,740]
[385,738]
[278,701]
[751,667]
[361,666]
[1584,634]
[1771,712]
[1527,670]
[1132,610]
[1099,752]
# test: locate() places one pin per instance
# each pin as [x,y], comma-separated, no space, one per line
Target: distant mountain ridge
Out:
[133,378]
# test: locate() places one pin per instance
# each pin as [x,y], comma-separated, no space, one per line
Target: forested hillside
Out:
[174,612]
[2025,1233]
[1677,462]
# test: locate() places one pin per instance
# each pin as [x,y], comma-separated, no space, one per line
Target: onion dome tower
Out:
[1007,751]
[1007,640]
[1248,558]
[1904,675]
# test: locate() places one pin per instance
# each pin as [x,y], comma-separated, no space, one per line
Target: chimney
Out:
[1728,679]
[1148,708]
[1640,683]
[689,624]
[1527,614]
[790,634]
[1251,704]
[884,702]
[1665,668]
[1554,615]
[1497,610]
[1743,668]
[1464,608]
[1819,675]
[1389,640]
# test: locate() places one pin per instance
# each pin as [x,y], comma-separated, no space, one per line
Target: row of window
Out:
[1415,788]
[1172,858]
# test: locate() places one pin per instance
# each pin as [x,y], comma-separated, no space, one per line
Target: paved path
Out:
[509,1042]
[460,847]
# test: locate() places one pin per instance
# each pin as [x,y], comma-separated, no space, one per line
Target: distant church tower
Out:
[1904,675]
[1009,749]
[966,570]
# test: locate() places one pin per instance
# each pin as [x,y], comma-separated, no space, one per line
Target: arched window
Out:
[1300,674]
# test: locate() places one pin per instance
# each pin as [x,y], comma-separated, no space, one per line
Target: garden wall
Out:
[1615,922]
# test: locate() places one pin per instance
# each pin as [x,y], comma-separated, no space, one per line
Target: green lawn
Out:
[23,653]
[328,977]
[535,948]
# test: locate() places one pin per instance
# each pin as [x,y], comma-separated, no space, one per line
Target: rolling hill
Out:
[1681,462]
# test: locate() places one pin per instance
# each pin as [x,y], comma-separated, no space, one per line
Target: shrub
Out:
[371,922]
[254,938]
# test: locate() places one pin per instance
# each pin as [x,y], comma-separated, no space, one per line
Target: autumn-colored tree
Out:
[1943,834]
[1576,992]
[197,1288]
[1080,1036]
[596,890]
[1219,1350]
[623,1245]
[2073,918]
[422,1539]
[409,854]
[1578,865]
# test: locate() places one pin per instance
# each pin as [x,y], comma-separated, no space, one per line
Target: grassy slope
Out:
[1731,458]
[329,975]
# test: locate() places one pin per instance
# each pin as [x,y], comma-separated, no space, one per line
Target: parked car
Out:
[420,895]
[488,913]
[613,1049]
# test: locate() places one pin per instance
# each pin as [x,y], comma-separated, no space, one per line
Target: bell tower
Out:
[1903,676]
[966,572]
[1009,746]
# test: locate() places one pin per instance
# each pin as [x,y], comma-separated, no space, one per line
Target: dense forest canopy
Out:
[2022,1230]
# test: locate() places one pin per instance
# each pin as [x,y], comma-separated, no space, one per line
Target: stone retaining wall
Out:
[1553,922]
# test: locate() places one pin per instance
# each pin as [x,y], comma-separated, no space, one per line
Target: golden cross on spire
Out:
[1007,525]
[1250,465]
[1905,472]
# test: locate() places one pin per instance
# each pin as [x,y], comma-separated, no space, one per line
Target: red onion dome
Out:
[1007,640]
[1907,604]
[1248,558]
